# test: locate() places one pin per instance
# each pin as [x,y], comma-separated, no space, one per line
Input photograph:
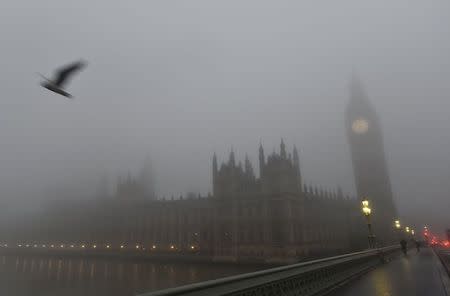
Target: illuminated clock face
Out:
[360,126]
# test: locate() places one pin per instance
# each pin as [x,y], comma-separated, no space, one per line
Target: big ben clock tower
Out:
[369,162]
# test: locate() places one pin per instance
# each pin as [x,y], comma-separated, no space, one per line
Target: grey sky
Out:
[178,80]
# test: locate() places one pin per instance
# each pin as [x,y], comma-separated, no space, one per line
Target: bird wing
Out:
[64,73]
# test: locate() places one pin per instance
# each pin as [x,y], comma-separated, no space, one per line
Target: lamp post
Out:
[398,227]
[367,211]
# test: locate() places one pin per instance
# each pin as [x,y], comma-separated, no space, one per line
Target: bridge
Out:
[378,272]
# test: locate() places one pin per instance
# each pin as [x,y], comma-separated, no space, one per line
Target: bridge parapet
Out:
[306,278]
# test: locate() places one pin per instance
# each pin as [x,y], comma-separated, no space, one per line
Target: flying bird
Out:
[61,78]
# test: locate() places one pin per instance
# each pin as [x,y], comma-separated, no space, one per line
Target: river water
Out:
[59,276]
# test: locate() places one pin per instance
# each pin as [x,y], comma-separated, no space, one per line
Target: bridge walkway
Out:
[417,274]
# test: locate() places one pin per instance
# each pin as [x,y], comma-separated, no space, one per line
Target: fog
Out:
[176,81]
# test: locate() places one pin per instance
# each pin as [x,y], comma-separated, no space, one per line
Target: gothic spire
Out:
[214,164]
[248,167]
[232,161]
[261,160]
[282,149]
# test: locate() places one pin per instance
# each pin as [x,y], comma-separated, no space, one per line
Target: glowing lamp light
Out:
[44,246]
[62,246]
[192,247]
[397,224]
[153,247]
[172,247]
[20,246]
[365,207]
[121,246]
[27,246]
[407,229]
[71,246]
[83,246]
[412,231]
[35,246]
[137,246]
[94,246]
[108,246]
[52,246]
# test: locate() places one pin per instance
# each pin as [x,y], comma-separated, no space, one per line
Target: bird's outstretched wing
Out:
[64,73]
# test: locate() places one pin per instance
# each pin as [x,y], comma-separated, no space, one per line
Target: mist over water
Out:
[176,81]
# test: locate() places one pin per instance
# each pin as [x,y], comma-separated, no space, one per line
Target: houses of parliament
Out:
[265,216]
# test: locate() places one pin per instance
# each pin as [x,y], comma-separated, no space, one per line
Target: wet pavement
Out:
[414,275]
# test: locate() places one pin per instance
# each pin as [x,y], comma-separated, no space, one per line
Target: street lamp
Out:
[367,211]
[398,228]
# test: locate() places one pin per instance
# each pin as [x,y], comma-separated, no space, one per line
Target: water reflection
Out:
[32,275]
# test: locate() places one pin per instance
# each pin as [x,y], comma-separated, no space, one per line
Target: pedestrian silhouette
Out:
[404,244]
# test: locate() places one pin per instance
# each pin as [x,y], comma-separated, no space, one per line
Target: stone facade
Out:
[369,163]
[273,218]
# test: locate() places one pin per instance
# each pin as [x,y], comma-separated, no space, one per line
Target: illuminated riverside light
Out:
[153,247]
[19,245]
[407,229]
[6,245]
[62,246]
[44,246]
[35,246]
[412,231]
[172,247]
[366,210]
[52,246]
[27,246]
[94,246]
[137,246]
[192,247]
[121,246]
[397,224]
[83,246]
[107,246]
